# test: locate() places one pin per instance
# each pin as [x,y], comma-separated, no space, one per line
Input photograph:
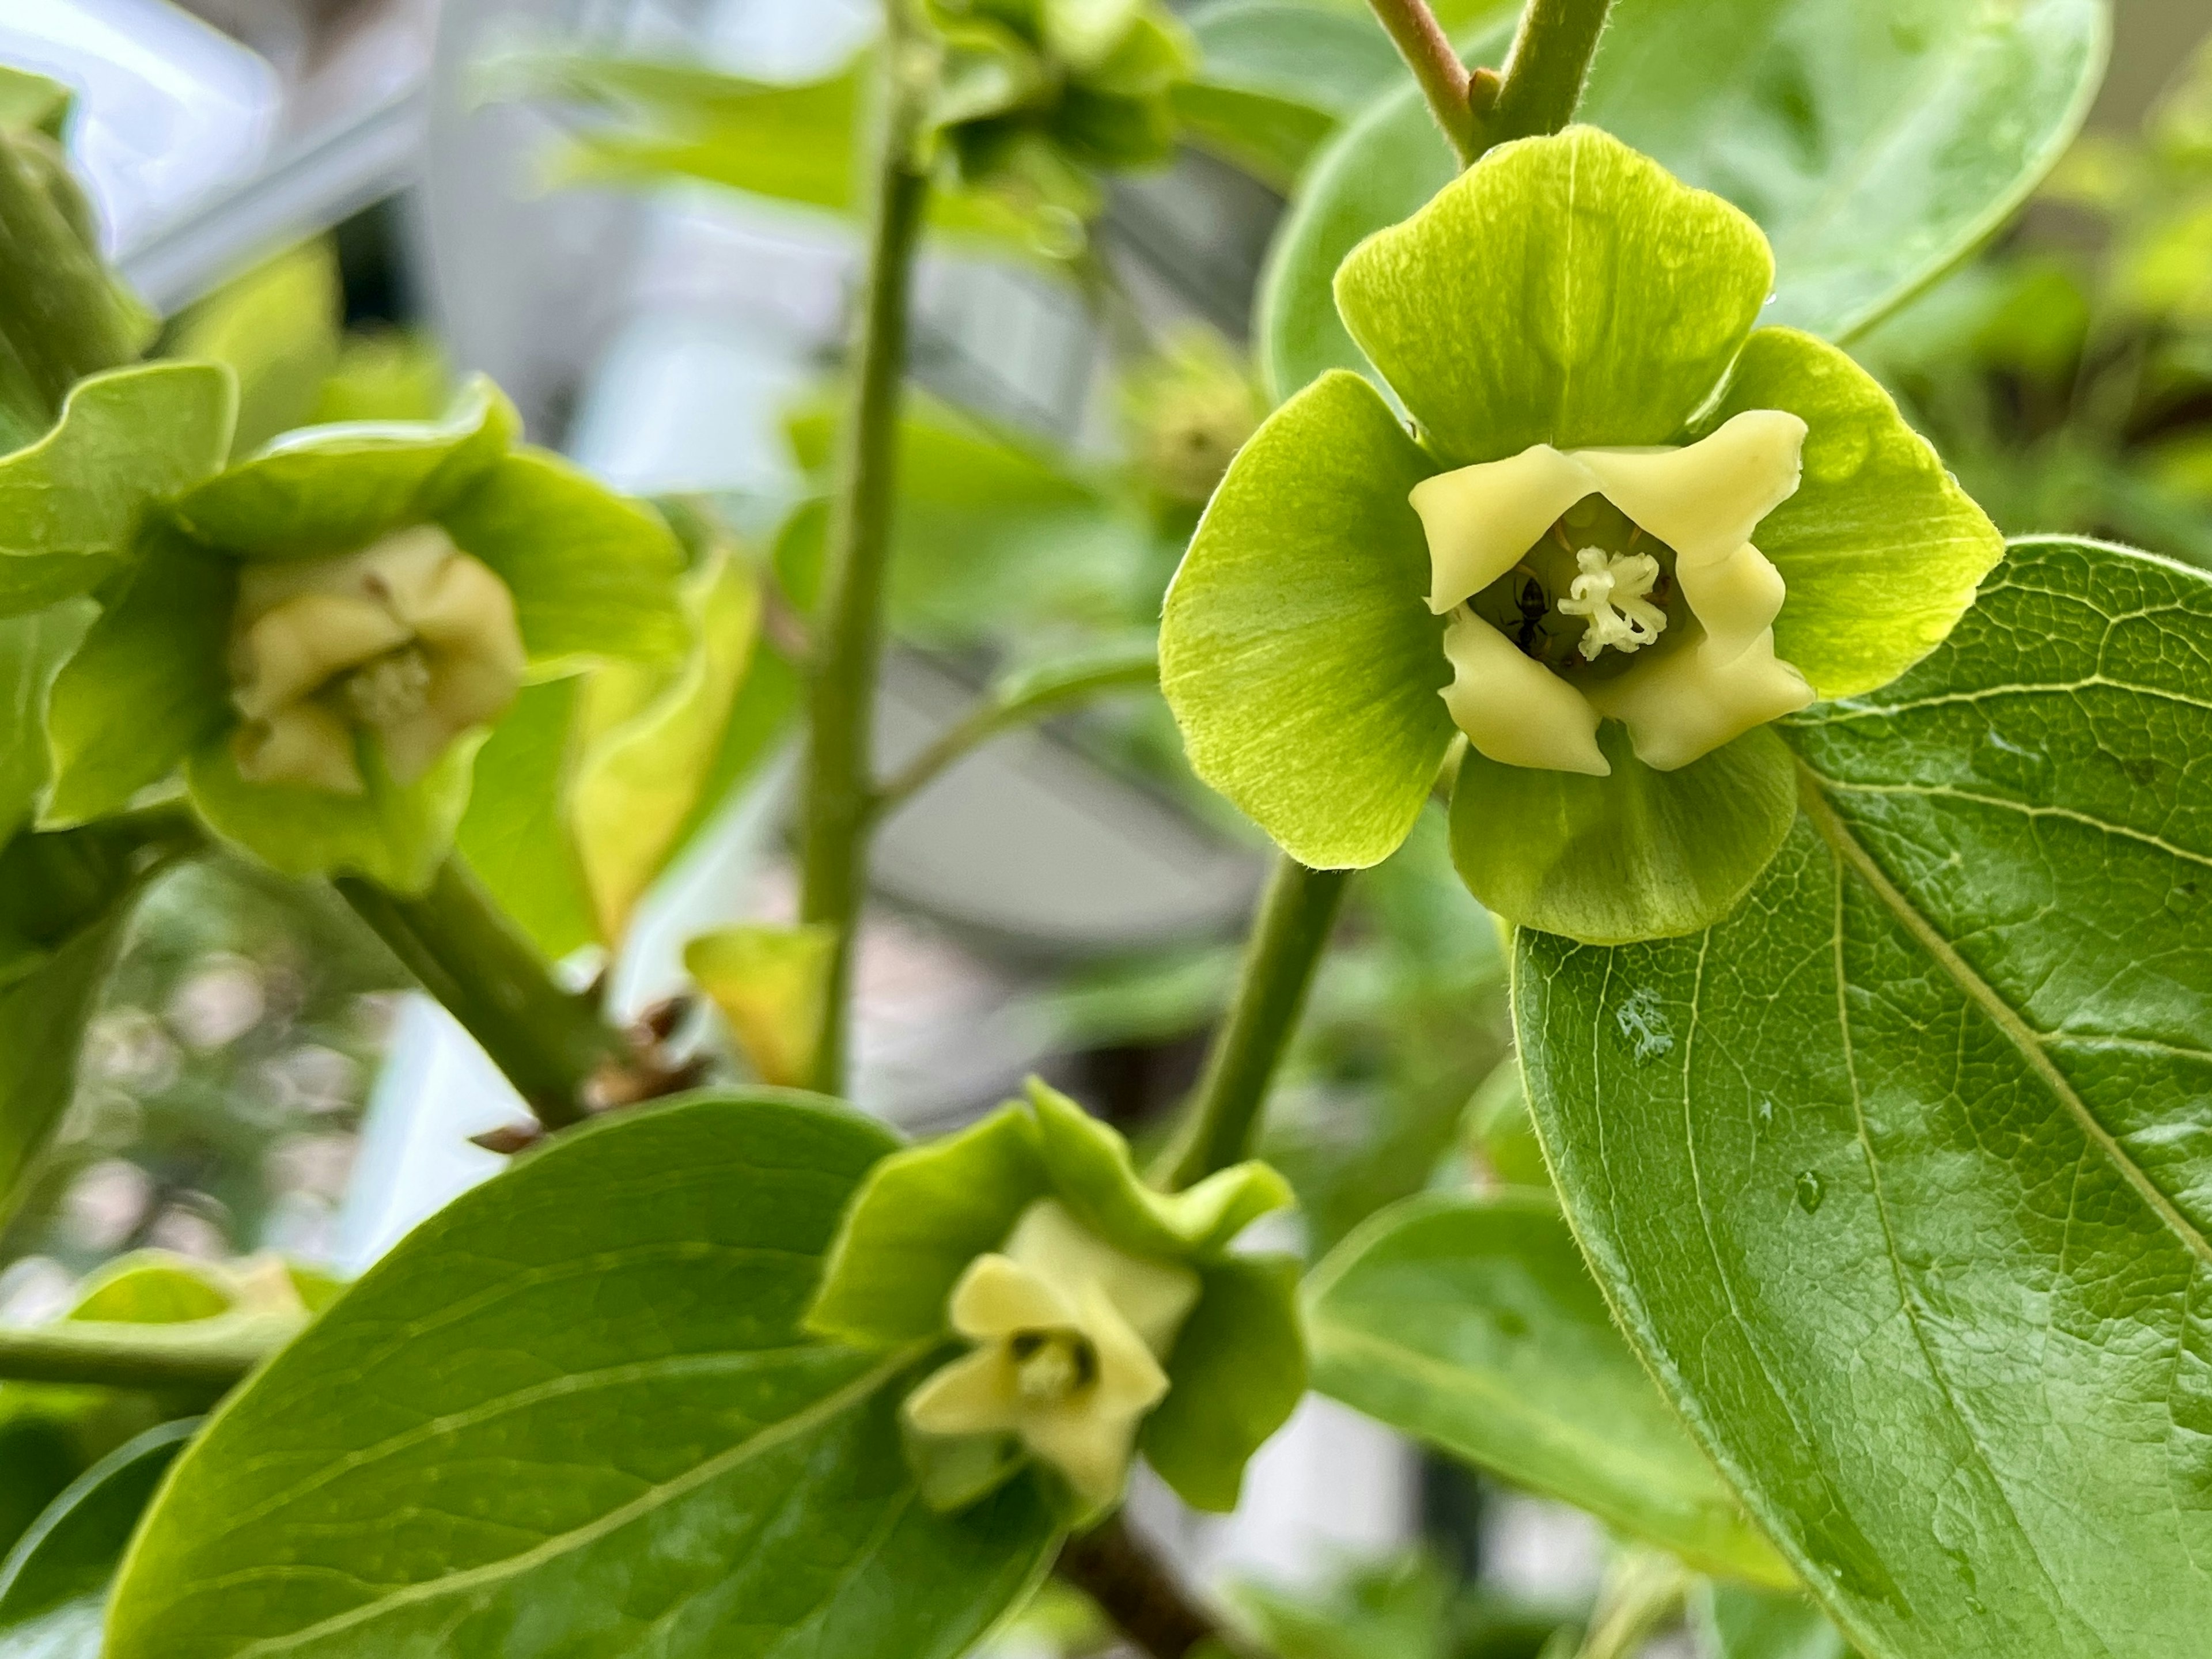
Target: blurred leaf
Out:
[772,984]
[1396,1609]
[1498,1125]
[153,1287]
[386,374]
[1873,152]
[1235,1374]
[1472,1324]
[33,648]
[612,1327]
[1278,77]
[515,833]
[1738,1621]
[276,327]
[993,533]
[649,742]
[53,1585]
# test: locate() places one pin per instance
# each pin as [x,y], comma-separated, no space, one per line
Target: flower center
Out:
[1051,1365]
[1597,589]
[395,687]
[1612,596]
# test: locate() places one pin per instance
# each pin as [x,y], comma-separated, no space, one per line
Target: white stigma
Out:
[1612,594]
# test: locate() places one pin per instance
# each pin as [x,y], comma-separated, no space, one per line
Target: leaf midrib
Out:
[491,1573]
[1985,997]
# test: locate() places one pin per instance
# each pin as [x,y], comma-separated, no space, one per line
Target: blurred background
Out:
[350,202]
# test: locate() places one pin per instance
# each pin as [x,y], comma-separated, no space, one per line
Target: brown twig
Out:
[1141,1595]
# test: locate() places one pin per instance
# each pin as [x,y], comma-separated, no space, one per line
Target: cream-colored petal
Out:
[304,744]
[1089,1446]
[1129,1378]
[974,1395]
[1735,598]
[412,745]
[465,610]
[1155,1296]
[292,650]
[1482,518]
[1704,501]
[997,1296]
[1684,704]
[467,690]
[1513,709]
[409,568]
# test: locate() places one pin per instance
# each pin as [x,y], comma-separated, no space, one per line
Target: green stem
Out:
[1642,1589]
[203,1357]
[1296,917]
[1421,42]
[1542,80]
[456,941]
[848,641]
[1013,707]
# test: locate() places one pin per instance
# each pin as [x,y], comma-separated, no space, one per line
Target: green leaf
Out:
[594,573]
[573,1412]
[1874,150]
[278,329]
[53,1585]
[70,503]
[1880,548]
[1498,1127]
[153,1287]
[1236,1373]
[1895,1177]
[515,832]
[1563,290]
[772,985]
[1638,854]
[637,783]
[65,900]
[150,683]
[1471,1323]
[32,649]
[1278,78]
[326,489]
[1740,1621]
[395,835]
[1297,648]
[916,1222]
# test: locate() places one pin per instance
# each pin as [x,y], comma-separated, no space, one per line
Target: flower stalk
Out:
[1537,90]
[464,951]
[848,640]
[202,1359]
[1297,915]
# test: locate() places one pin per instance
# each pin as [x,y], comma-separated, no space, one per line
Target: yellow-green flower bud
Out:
[409,640]
[1071,1333]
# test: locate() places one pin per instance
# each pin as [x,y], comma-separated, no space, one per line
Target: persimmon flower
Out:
[1069,1334]
[409,641]
[1624,534]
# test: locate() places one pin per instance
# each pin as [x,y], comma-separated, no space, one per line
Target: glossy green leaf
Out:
[1740,1622]
[1471,1323]
[573,1414]
[1276,78]
[53,1584]
[1563,290]
[1297,649]
[594,573]
[150,683]
[1235,1374]
[1875,145]
[396,835]
[33,648]
[326,489]
[515,832]
[639,778]
[1880,548]
[70,503]
[1897,1176]
[1638,854]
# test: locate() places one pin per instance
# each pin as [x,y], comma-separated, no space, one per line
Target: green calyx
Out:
[1631,532]
[1101,1317]
[321,635]
[1035,96]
